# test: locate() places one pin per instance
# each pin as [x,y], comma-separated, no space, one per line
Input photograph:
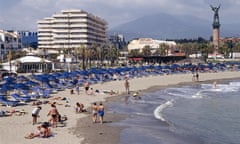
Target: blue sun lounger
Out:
[7,102]
[21,98]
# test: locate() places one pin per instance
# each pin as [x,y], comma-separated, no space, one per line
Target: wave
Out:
[145,102]
[158,111]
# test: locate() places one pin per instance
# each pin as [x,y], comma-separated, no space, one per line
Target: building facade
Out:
[29,39]
[139,44]
[71,29]
[118,41]
[9,41]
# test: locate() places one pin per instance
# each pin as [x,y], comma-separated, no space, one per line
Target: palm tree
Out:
[146,51]
[82,51]
[225,50]
[134,53]
[164,49]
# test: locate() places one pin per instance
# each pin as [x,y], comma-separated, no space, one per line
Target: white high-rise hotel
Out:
[71,29]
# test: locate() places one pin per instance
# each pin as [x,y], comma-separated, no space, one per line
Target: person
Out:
[91,91]
[194,77]
[79,107]
[38,133]
[35,114]
[101,112]
[78,89]
[215,84]
[86,86]
[126,84]
[54,115]
[136,96]
[42,131]
[94,112]
[197,76]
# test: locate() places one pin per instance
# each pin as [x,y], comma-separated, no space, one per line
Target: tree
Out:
[146,51]
[223,49]
[134,53]
[112,54]
[82,54]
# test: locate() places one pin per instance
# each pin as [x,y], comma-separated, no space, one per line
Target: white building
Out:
[139,44]
[71,29]
[9,41]
[28,64]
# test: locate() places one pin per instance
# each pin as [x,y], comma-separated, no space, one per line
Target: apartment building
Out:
[71,29]
[9,41]
[29,39]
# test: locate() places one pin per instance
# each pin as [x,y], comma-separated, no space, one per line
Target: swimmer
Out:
[215,84]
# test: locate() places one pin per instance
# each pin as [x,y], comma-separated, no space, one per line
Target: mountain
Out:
[165,26]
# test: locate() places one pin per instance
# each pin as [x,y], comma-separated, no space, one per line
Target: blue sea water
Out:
[189,114]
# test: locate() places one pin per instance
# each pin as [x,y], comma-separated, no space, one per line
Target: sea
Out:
[185,114]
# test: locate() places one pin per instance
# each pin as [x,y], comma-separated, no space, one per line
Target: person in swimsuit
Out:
[35,114]
[54,115]
[86,86]
[94,112]
[126,85]
[101,112]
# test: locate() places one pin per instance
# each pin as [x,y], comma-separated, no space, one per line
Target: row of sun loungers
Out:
[42,86]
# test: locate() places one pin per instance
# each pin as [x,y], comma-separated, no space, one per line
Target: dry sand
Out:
[78,128]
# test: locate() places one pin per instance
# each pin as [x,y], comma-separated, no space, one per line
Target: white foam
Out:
[158,111]
[235,84]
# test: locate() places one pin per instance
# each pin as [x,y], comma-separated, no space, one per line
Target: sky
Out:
[24,14]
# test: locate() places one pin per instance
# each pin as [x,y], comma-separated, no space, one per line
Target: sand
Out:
[79,128]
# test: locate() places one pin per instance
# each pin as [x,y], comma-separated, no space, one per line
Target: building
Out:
[139,44]
[29,39]
[118,41]
[27,64]
[9,41]
[71,29]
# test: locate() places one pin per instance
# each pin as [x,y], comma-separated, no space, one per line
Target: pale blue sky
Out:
[23,14]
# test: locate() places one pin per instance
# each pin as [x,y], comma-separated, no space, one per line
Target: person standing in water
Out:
[126,84]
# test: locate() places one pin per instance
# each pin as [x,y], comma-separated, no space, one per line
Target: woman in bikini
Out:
[54,115]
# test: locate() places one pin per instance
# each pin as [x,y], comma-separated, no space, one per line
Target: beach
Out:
[79,127]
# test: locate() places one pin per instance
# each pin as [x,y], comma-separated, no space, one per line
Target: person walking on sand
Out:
[101,112]
[35,114]
[78,89]
[126,84]
[86,86]
[53,112]
[94,112]
[197,76]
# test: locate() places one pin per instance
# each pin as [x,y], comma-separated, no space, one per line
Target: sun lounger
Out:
[7,102]
[21,98]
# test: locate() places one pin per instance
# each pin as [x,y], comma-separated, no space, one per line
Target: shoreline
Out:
[73,132]
[110,134]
